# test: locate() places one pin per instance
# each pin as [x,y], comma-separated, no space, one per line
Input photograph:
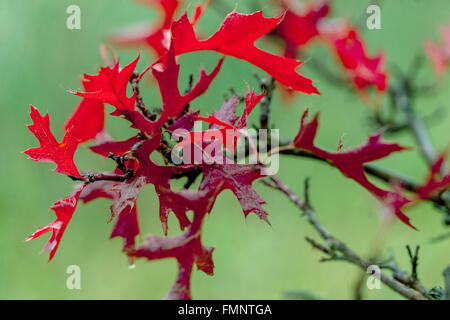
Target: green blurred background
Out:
[40,59]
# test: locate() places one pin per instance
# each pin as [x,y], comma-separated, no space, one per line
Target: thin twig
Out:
[403,101]
[134,80]
[267,86]
[98,176]
[414,258]
[336,249]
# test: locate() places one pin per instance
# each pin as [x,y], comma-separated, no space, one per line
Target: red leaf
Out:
[88,119]
[361,69]
[251,100]
[350,162]
[187,247]
[51,150]
[225,131]
[127,225]
[436,182]
[236,38]
[148,172]
[186,122]
[64,210]
[116,147]
[110,86]
[227,113]
[297,29]
[156,36]
[238,179]
[166,73]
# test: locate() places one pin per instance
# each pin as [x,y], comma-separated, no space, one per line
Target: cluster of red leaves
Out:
[440,53]
[236,37]
[300,26]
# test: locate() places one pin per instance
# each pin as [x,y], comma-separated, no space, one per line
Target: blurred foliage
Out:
[40,59]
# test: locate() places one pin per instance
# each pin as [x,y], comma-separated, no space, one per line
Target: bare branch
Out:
[336,249]
[134,80]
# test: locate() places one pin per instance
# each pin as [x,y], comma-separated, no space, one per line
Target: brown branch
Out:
[335,248]
[134,80]
[97,176]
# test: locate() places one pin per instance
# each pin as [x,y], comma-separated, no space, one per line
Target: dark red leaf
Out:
[187,247]
[237,178]
[127,225]
[116,147]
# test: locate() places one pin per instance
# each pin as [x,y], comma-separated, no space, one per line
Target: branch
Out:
[97,176]
[268,87]
[414,258]
[134,80]
[401,96]
[376,171]
[402,276]
[335,248]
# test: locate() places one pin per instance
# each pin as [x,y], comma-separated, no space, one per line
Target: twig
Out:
[97,176]
[402,98]
[414,258]
[336,249]
[134,81]
[267,86]
[404,277]
[191,176]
